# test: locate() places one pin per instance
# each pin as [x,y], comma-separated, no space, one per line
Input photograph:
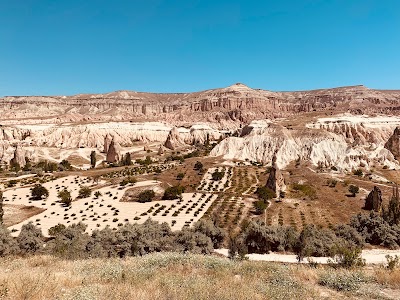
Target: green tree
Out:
[353,189]
[39,192]
[28,165]
[65,165]
[65,197]
[127,160]
[265,193]
[260,206]
[84,192]
[173,192]
[146,196]
[391,214]
[30,239]
[93,159]
[217,175]
[198,166]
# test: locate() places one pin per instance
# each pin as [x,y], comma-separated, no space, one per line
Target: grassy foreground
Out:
[178,276]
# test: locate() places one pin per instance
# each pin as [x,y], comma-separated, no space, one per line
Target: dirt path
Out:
[373,256]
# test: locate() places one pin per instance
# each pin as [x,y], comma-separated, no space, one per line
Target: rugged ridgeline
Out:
[236,103]
[243,117]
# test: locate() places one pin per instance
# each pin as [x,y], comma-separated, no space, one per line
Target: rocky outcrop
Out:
[174,140]
[113,153]
[374,200]
[19,157]
[321,148]
[236,103]
[160,150]
[393,143]
[275,181]
[107,141]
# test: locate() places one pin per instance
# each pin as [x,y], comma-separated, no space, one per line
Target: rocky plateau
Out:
[345,128]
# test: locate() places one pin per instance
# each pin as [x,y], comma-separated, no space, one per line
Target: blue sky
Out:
[50,47]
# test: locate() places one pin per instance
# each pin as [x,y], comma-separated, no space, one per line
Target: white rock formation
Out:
[107,141]
[174,140]
[321,148]
[19,156]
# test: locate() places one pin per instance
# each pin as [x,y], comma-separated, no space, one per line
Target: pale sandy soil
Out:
[373,256]
[107,209]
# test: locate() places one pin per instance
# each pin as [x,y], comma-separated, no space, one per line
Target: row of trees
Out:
[74,242]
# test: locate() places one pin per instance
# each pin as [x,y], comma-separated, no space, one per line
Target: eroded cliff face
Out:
[226,106]
[319,147]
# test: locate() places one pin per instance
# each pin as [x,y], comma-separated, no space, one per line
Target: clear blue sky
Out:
[82,46]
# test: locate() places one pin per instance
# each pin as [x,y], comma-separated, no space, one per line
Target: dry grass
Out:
[174,276]
[387,278]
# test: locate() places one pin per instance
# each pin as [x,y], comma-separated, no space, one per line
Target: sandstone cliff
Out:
[236,103]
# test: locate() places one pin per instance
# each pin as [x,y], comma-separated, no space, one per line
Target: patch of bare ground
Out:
[325,206]
[191,178]
[14,214]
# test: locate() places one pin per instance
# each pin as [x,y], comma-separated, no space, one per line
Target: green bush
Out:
[353,189]
[146,196]
[39,192]
[265,193]
[65,197]
[173,192]
[217,175]
[260,206]
[347,281]
[84,192]
[305,189]
[392,262]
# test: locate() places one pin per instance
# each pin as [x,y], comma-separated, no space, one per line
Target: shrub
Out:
[347,257]
[260,206]
[307,190]
[180,176]
[84,192]
[331,183]
[198,166]
[358,172]
[376,231]
[259,238]
[65,197]
[314,241]
[8,245]
[30,239]
[342,281]
[39,192]
[65,165]
[146,196]
[392,262]
[353,189]
[173,192]
[97,194]
[208,228]
[217,175]
[265,193]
